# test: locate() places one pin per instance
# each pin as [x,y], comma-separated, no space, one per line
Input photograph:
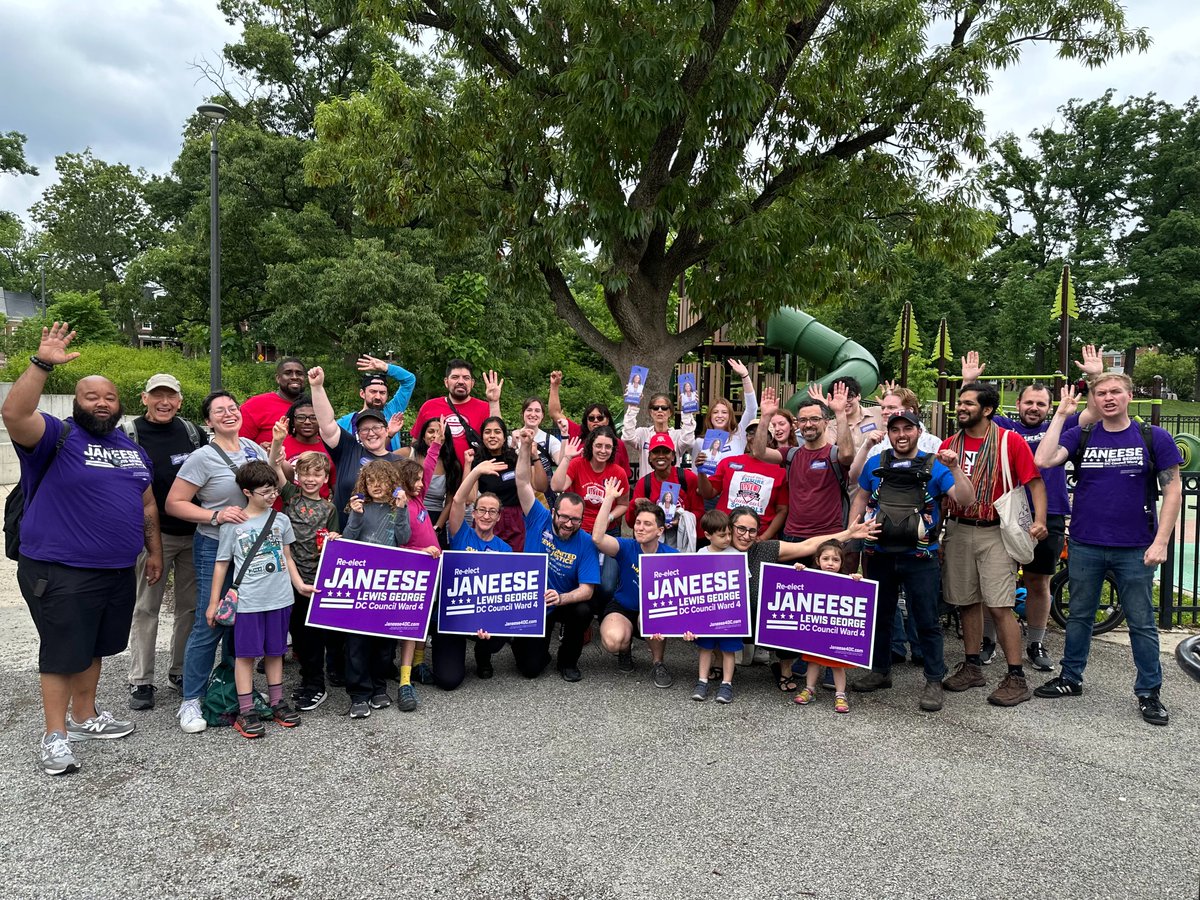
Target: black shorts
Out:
[612,606]
[1048,550]
[80,614]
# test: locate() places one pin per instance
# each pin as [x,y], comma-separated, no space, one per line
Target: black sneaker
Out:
[141,696]
[380,701]
[249,725]
[1038,658]
[571,674]
[360,709]
[1152,709]
[423,674]
[307,701]
[406,699]
[483,662]
[1058,687]
[175,682]
[987,651]
[625,660]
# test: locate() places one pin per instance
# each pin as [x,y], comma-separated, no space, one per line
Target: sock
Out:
[275,694]
[975,659]
[703,680]
[246,702]
[1016,670]
[989,629]
[419,653]
[405,675]
[730,683]
[1035,635]
[841,694]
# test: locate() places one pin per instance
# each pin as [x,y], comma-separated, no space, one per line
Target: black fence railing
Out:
[1178,577]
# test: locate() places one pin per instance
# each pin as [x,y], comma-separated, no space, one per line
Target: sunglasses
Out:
[658,407]
[596,417]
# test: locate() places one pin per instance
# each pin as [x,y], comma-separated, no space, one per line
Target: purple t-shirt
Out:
[1058,502]
[1110,487]
[87,509]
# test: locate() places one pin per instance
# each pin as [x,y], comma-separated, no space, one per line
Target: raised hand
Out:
[368,363]
[947,458]
[613,488]
[815,393]
[972,368]
[280,429]
[468,459]
[395,425]
[886,388]
[556,378]
[493,385]
[839,399]
[874,437]
[861,530]
[572,448]
[53,347]
[1068,400]
[316,377]
[768,405]
[1092,363]
[356,503]
[738,369]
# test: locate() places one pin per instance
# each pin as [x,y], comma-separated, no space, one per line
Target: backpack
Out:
[220,704]
[17,502]
[901,500]
[1085,436]
[193,433]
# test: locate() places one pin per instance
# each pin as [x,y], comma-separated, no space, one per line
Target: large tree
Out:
[771,152]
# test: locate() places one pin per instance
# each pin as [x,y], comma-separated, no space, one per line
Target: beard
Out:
[93,425]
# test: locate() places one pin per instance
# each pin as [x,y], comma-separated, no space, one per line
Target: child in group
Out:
[374,518]
[264,595]
[830,556]
[719,529]
[413,478]
[314,520]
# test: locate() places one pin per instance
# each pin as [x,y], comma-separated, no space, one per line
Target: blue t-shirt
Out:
[572,562]
[940,482]
[628,590]
[1058,501]
[466,539]
[85,504]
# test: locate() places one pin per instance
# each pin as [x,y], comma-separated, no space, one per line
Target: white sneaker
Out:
[191,720]
[57,758]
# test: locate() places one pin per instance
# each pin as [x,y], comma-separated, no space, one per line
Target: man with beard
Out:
[262,411]
[168,440]
[89,511]
[374,392]
[1032,422]
[463,413]
[977,570]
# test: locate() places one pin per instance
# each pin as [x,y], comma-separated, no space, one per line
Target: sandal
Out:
[840,703]
[786,683]
[805,697]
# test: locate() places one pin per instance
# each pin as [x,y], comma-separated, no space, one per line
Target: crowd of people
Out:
[236,513]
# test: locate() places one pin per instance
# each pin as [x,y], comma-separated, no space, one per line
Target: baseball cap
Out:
[162,379]
[365,414]
[661,439]
[373,378]
[907,416]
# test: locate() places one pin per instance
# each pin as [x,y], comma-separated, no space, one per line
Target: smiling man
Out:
[262,411]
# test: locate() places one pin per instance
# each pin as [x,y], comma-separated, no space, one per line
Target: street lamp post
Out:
[216,115]
[42,257]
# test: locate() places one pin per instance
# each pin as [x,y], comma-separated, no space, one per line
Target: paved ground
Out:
[613,789]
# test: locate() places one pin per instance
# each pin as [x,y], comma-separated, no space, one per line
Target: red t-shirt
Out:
[689,496]
[259,415]
[474,410]
[745,480]
[620,456]
[814,492]
[589,485]
[1020,464]
[292,448]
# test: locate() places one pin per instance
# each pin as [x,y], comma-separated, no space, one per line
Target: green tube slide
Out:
[799,334]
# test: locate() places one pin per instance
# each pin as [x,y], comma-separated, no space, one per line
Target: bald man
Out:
[89,512]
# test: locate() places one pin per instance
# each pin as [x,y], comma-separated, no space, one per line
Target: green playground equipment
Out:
[794,332]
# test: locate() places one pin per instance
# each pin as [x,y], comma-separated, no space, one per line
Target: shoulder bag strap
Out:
[1008,479]
[225,456]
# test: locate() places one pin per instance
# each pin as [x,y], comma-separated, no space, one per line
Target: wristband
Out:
[42,364]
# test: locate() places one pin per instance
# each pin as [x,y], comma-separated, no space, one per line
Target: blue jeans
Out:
[904,632]
[202,642]
[922,580]
[1088,564]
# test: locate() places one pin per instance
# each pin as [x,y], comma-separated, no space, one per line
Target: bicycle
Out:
[1109,613]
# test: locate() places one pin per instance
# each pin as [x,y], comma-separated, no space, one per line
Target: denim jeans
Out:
[921,579]
[202,642]
[1088,565]
[904,633]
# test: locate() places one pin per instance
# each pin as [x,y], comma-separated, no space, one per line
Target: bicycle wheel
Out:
[1109,613]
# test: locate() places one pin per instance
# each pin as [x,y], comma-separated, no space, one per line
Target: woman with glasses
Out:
[206,492]
[595,415]
[662,410]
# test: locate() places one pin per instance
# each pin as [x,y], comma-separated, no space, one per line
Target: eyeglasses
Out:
[227,411]
[486,513]
[570,520]
[300,418]
[809,420]
[597,417]
[372,429]
[658,407]
[747,530]
[266,492]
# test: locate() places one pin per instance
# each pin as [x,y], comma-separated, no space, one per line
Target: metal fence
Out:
[1179,575]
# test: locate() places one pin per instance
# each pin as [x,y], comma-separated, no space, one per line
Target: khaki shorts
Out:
[976,568]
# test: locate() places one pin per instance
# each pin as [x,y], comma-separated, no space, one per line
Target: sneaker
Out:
[932,695]
[406,700]
[987,651]
[725,692]
[625,660]
[380,701]
[1038,657]
[103,726]
[423,674]
[827,680]
[662,677]
[570,674]
[1013,689]
[284,715]
[700,691]
[360,709]
[175,682]
[1152,709]
[967,675]
[310,700]
[141,696]
[483,663]
[191,720]
[1058,687]
[249,725]
[805,697]
[841,704]
[872,681]
[57,758]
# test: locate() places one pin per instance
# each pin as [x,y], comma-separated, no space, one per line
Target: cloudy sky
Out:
[122,81]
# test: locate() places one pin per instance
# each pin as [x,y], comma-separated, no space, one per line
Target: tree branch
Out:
[565,305]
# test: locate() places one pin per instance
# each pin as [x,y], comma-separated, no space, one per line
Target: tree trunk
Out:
[1039,359]
[1196,386]
[1130,359]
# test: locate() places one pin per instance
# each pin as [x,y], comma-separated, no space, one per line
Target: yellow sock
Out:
[419,653]
[405,675]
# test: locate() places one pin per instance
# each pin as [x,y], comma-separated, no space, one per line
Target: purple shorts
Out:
[261,633]
[725,645]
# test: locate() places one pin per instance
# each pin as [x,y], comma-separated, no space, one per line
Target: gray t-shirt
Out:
[266,584]
[216,481]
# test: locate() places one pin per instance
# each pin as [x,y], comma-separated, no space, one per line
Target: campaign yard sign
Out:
[704,593]
[502,593]
[816,612]
[369,589]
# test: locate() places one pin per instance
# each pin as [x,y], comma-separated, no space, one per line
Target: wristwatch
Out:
[213,520]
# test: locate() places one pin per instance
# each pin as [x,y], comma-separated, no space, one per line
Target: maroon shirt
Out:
[815,494]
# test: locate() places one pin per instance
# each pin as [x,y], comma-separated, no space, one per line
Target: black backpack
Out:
[900,498]
[16,504]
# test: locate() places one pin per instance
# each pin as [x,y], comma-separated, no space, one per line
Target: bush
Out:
[1178,373]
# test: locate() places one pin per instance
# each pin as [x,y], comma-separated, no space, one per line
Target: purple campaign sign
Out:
[818,613]
[368,589]
[704,593]
[502,593]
